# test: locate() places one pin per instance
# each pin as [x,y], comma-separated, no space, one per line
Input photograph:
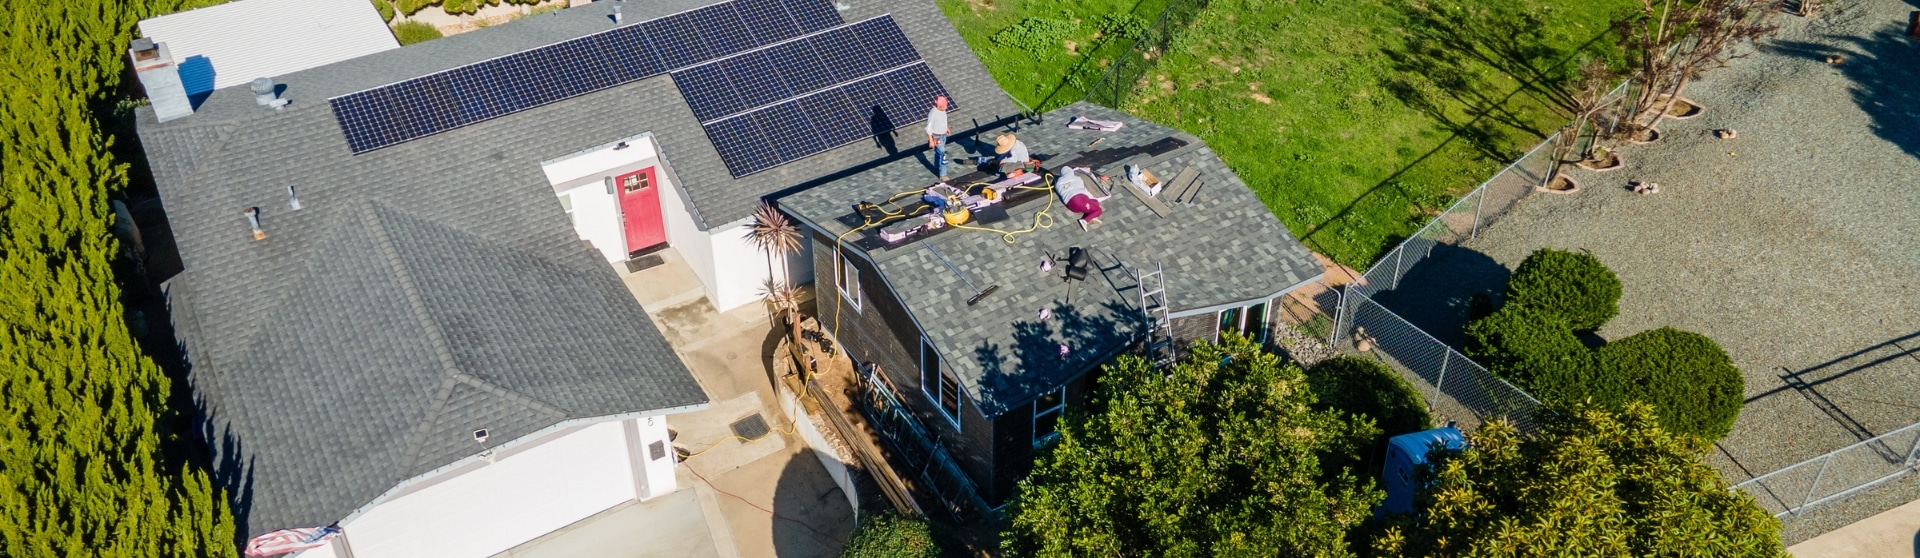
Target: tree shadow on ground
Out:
[811,516]
[1437,294]
[1884,75]
[1454,61]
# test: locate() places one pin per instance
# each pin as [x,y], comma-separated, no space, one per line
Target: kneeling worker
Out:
[1010,154]
[1072,189]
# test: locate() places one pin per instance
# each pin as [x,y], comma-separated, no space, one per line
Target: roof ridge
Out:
[408,287]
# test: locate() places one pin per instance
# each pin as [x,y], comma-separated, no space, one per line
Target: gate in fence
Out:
[1837,474]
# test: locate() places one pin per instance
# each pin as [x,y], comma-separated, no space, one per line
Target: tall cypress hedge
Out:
[81,472]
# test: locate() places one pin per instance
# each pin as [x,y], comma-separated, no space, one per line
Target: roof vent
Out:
[480,435]
[263,91]
[158,75]
[293,201]
[617,17]
[253,220]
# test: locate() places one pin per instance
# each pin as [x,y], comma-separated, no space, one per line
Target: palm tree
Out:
[784,301]
[773,235]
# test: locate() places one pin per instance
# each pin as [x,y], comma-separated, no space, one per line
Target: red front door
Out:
[640,210]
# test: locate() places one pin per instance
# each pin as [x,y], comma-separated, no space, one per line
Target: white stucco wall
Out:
[740,270]
[479,512]
[596,216]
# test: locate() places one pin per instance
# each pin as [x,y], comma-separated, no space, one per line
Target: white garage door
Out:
[485,511]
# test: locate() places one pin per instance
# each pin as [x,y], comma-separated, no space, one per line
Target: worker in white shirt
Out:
[937,131]
[1072,189]
[1010,154]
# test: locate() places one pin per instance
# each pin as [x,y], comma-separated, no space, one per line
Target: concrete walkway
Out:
[1894,533]
[770,494]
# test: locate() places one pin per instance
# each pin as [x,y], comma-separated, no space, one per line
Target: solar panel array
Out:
[769,106]
[776,134]
[435,103]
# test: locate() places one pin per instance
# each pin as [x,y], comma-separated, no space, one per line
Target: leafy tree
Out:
[1221,454]
[890,535]
[81,467]
[1590,483]
[1572,285]
[1366,387]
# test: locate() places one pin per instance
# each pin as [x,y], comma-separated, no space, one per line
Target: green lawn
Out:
[1052,60]
[1354,120]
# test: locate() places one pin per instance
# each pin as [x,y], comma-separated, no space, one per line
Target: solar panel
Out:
[812,15]
[720,27]
[741,145]
[677,40]
[791,130]
[753,77]
[766,20]
[845,58]
[707,92]
[834,118]
[743,56]
[885,42]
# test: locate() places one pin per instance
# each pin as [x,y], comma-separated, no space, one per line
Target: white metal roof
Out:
[237,42]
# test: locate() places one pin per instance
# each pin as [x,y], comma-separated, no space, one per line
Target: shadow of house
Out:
[1437,295]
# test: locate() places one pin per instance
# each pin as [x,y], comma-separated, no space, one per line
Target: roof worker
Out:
[937,131]
[1073,189]
[1010,153]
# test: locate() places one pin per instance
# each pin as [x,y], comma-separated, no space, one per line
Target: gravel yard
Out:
[1795,245]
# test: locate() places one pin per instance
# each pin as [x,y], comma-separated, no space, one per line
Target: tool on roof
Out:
[1084,123]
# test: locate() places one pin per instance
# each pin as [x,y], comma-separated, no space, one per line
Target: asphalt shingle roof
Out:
[1226,247]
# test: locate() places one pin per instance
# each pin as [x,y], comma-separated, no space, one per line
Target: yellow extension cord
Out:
[1041,220]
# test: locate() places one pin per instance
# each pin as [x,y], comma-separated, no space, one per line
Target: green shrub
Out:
[1685,375]
[1036,35]
[1572,285]
[1366,387]
[1124,25]
[890,535]
[410,32]
[1533,349]
[410,7]
[385,7]
[1530,341]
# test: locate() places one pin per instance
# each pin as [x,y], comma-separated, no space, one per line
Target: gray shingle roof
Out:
[1224,248]
[650,105]
[434,287]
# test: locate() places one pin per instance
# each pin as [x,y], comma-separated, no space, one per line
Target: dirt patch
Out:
[1263,99]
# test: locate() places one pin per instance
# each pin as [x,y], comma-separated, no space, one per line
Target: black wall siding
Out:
[882,332]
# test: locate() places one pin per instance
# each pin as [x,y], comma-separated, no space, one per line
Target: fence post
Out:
[1811,487]
[1339,313]
[1399,256]
[1444,356]
[1476,212]
[1910,451]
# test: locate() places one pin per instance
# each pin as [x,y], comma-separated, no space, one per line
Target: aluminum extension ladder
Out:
[1153,308]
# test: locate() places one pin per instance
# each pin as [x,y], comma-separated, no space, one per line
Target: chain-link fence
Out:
[1118,83]
[1455,386]
[1837,474]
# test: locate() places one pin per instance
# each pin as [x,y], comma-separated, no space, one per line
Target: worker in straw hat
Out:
[1009,153]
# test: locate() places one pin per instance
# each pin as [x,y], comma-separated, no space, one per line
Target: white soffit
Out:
[239,41]
[597,160]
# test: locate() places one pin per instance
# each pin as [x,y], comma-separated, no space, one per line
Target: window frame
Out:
[1240,314]
[935,385]
[843,268]
[1057,410]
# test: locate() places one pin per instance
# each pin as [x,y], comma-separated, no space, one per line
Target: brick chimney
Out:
[161,78]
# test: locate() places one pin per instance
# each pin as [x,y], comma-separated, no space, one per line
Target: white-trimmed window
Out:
[847,277]
[1250,321]
[1046,414]
[941,386]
